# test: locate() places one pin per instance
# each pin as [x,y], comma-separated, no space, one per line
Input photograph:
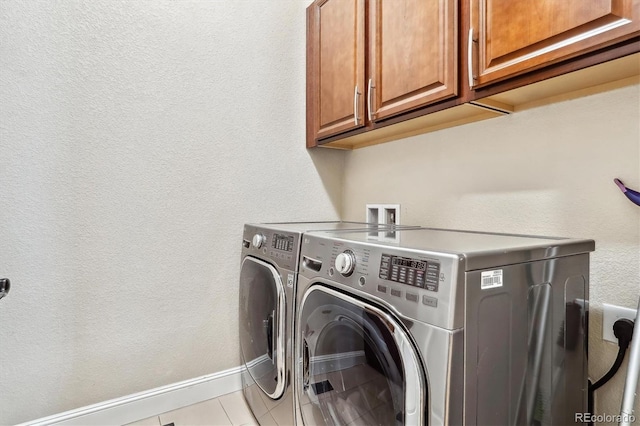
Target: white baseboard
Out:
[323,364]
[142,405]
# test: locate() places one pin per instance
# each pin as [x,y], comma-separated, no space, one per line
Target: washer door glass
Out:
[357,365]
[262,312]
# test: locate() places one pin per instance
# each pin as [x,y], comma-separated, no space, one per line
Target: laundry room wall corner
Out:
[329,164]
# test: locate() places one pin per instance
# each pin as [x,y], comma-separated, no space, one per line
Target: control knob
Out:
[258,240]
[345,262]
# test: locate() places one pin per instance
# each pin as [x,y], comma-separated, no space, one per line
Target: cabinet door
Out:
[336,76]
[412,54]
[512,37]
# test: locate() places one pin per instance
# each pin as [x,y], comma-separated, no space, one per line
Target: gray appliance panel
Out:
[263,326]
[319,226]
[443,308]
[353,352]
[527,369]
[440,351]
[257,399]
[479,249]
[522,315]
[286,255]
[281,249]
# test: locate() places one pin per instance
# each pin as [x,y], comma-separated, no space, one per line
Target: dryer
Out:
[441,327]
[270,255]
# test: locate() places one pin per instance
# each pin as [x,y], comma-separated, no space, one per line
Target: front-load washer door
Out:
[262,325]
[356,364]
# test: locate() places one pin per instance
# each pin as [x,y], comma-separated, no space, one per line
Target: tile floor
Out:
[358,395]
[226,410]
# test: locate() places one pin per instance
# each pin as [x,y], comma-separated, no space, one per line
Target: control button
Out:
[382,288]
[430,301]
[411,280]
[331,272]
[258,240]
[384,274]
[412,297]
[396,293]
[394,273]
[362,281]
[345,262]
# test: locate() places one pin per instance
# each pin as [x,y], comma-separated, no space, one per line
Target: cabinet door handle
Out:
[369,100]
[470,58]
[356,119]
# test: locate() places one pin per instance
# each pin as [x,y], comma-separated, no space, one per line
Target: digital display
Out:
[423,274]
[283,242]
[410,263]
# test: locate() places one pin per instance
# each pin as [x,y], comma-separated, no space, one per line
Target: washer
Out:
[268,275]
[441,327]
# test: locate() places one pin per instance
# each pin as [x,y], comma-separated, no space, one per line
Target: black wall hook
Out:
[5,285]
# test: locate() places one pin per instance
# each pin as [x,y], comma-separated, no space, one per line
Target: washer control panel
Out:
[345,262]
[258,240]
[283,242]
[405,270]
[271,244]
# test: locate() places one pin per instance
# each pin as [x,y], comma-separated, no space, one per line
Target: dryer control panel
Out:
[418,284]
[405,270]
[275,245]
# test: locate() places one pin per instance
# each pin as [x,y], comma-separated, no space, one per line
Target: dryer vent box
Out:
[383,214]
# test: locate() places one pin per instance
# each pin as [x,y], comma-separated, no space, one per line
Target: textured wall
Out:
[136,138]
[546,171]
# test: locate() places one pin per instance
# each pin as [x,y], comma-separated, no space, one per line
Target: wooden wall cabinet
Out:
[412,55]
[336,71]
[371,60]
[513,37]
[379,70]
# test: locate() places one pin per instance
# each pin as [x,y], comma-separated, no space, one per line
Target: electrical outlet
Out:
[612,313]
[383,214]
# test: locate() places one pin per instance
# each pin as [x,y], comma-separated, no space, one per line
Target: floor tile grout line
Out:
[225,411]
[244,408]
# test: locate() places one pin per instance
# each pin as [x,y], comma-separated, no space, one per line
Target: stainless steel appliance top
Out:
[280,242]
[477,250]
[325,226]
